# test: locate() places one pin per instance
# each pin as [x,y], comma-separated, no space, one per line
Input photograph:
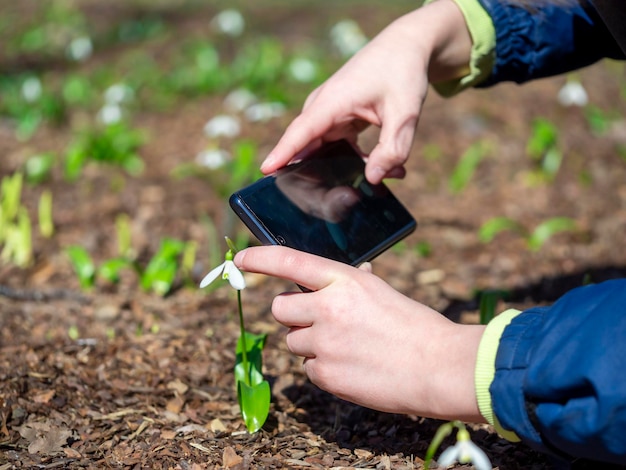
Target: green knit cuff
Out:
[483,49]
[486,369]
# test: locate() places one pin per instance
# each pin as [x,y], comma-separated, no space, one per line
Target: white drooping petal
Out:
[229,22]
[80,48]
[212,276]
[470,452]
[110,114]
[213,158]
[239,99]
[303,70]
[31,89]
[448,456]
[222,125]
[234,276]
[573,93]
[465,451]
[118,94]
[348,37]
[264,111]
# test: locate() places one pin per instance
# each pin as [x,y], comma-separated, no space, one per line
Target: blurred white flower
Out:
[229,22]
[212,158]
[238,100]
[347,37]
[573,93]
[264,111]
[464,451]
[31,89]
[222,125]
[118,94]
[303,70]
[110,113]
[229,271]
[80,48]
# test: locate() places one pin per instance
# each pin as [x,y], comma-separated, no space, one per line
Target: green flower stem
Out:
[244,348]
[443,432]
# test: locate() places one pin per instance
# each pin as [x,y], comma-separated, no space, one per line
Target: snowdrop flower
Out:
[212,158]
[80,48]
[303,70]
[264,111]
[464,451]
[118,94]
[222,125]
[229,271]
[229,22]
[347,37]
[31,89]
[110,114]
[573,93]
[238,100]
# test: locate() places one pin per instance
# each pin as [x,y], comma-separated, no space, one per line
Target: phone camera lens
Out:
[281,240]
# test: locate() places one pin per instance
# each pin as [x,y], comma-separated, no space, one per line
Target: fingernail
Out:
[268,161]
[377,174]
[238,259]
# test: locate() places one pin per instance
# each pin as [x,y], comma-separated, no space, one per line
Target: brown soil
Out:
[149,382]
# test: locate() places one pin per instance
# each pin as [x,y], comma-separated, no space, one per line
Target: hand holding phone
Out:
[325,206]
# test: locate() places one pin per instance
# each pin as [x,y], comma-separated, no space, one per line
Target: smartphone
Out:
[324,205]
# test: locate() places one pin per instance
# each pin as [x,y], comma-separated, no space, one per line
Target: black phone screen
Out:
[325,206]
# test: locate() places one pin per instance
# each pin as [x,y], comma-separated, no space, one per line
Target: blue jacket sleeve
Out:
[546,40]
[560,379]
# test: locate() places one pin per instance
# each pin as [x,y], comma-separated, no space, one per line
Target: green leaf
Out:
[467,165]
[83,265]
[161,271]
[11,195]
[38,167]
[46,224]
[110,269]
[253,391]
[74,161]
[254,349]
[255,404]
[547,229]
[493,227]
[543,137]
[489,299]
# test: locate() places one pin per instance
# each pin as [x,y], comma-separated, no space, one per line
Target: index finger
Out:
[310,271]
[301,136]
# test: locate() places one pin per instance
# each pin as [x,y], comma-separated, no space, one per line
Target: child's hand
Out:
[367,343]
[384,84]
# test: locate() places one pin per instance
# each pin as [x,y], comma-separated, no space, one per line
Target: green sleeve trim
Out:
[486,369]
[482,56]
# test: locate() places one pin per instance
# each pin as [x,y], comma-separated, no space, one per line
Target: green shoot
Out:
[535,239]
[37,168]
[110,269]
[423,249]
[10,196]
[488,302]
[46,225]
[114,144]
[188,259]
[124,235]
[542,146]
[598,120]
[160,274]
[493,227]
[467,165]
[83,265]
[547,229]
